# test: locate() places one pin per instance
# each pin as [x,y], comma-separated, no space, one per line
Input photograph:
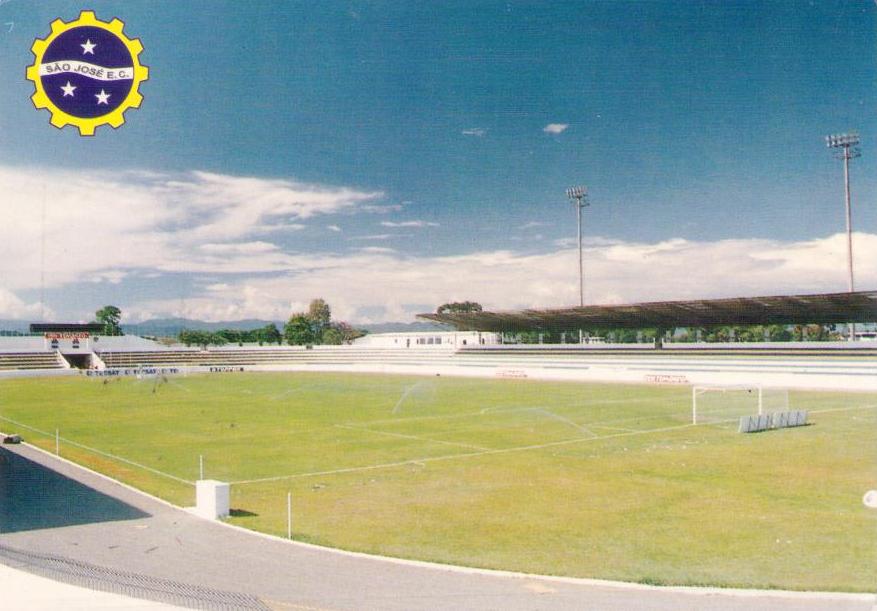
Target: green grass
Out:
[586,480]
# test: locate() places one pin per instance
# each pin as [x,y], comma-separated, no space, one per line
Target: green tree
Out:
[778,333]
[624,336]
[320,313]
[299,330]
[194,338]
[201,338]
[269,334]
[816,333]
[320,316]
[331,336]
[231,336]
[347,332]
[751,333]
[110,316]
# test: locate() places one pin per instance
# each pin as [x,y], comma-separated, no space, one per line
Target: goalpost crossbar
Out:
[698,390]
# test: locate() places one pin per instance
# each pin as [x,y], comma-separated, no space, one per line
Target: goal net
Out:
[725,403]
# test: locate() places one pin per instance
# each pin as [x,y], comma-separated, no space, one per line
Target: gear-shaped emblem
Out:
[87,73]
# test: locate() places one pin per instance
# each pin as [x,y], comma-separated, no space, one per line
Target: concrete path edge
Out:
[624,585]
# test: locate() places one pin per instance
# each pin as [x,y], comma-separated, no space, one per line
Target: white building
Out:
[452,340]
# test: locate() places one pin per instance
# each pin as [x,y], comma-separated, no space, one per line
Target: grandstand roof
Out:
[787,309]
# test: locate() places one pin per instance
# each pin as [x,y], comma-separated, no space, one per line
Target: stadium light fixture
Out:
[848,149]
[579,196]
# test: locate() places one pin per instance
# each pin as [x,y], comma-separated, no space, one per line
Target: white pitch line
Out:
[99,452]
[175,383]
[841,409]
[684,415]
[569,422]
[284,393]
[402,463]
[403,436]
[504,410]
[613,428]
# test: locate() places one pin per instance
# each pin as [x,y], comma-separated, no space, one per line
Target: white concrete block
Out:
[211,499]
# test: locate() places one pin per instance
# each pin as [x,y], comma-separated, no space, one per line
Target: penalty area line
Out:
[403,436]
[414,461]
[575,425]
[842,409]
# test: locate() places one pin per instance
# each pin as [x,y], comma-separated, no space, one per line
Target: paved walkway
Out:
[21,590]
[174,546]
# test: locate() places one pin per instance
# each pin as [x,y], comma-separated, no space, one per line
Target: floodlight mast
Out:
[848,145]
[579,195]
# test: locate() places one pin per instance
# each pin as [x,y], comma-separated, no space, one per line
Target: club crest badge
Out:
[87,73]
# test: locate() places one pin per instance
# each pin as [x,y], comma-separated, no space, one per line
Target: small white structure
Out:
[211,499]
[429,339]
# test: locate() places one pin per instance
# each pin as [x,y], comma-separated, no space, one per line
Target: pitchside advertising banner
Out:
[133,371]
[158,371]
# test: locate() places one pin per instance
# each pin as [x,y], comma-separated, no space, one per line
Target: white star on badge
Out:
[88,47]
[68,89]
[102,97]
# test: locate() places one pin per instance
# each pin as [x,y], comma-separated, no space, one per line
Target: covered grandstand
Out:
[826,308]
[812,364]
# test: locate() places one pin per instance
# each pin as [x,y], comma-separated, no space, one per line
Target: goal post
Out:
[715,403]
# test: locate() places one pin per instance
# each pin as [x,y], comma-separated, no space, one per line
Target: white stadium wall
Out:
[429,339]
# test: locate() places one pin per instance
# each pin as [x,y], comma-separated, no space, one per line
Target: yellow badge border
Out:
[114,118]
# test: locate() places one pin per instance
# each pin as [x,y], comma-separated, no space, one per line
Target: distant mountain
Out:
[403,327]
[21,326]
[171,327]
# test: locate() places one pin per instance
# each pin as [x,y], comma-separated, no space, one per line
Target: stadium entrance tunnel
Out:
[78,361]
[34,497]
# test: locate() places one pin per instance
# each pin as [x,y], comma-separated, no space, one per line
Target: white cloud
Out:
[380,208]
[113,228]
[555,128]
[393,284]
[239,247]
[534,224]
[374,236]
[409,224]
[218,206]
[278,227]
[475,131]
[377,249]
[12,307]
[335,228]
[109,276]
[100,226]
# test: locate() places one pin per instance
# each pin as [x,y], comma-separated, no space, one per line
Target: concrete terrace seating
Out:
[223,357]
[29,360]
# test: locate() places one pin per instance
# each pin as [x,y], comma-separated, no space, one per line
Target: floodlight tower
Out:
[848,145]
[579,196]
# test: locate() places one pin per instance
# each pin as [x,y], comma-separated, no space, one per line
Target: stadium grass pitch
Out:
[588,480]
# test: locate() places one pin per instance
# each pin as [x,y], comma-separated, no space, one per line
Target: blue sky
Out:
[403,156]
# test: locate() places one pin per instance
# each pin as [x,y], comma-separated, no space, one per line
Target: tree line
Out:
[313,327]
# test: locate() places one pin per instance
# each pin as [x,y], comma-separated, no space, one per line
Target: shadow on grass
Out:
[33,497]
[242,513]
[782,428]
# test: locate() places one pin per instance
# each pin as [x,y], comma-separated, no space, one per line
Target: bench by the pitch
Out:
[776,420]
